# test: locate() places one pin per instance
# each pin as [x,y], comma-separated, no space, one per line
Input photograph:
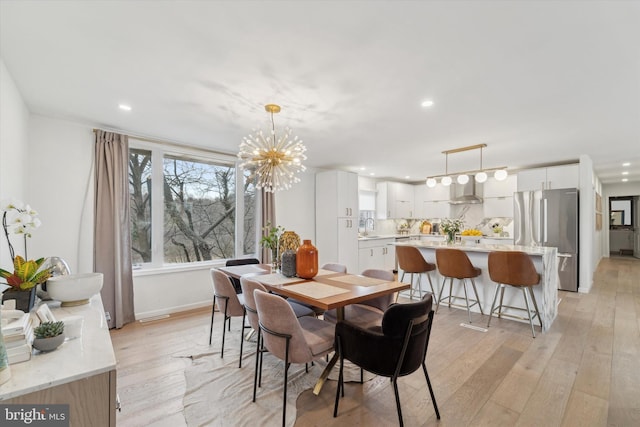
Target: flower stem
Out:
[6,233]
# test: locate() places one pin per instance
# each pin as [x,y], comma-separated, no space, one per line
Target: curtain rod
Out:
[168,143]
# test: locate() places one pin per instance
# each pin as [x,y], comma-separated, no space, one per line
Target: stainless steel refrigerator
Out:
[550,218]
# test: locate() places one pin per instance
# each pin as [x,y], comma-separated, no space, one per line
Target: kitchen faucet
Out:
[373,224]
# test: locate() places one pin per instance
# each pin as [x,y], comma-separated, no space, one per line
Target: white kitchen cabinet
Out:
[498,197]
[549,178]
[376,253]
[337,218]
[394,200]
[436,209]
[493,188]
[498,207]
[438,193]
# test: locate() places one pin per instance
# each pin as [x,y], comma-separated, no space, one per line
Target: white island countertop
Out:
[544,259]
[77,358]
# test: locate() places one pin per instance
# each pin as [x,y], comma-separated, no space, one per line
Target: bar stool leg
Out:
[501,298]
[526,302]
[450,290]
[466,297]
[412,288]
[475,291]
[420,285]
[444,280]
[535,304]
[433,292]
[493,304]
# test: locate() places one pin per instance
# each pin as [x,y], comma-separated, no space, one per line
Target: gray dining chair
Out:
[366,313]
[230,304]
[290,339]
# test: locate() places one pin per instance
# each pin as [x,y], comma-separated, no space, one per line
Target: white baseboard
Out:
[171,310]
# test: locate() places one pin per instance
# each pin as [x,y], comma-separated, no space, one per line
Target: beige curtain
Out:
[112,239]
[268,215]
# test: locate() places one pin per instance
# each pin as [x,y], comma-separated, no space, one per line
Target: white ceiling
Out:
[538,82]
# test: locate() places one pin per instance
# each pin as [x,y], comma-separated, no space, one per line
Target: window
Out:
[185,208]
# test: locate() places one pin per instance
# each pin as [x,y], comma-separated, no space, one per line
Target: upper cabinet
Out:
[394,200]
[337,191]
[431,202]
[549,178]
[493,188]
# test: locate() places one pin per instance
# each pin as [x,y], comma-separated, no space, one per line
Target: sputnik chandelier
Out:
[276,161]
[480,175]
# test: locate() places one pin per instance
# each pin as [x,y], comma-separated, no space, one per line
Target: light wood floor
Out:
[584,372]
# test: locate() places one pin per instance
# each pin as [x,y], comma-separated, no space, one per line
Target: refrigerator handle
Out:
[544,221]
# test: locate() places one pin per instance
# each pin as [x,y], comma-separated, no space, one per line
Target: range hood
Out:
[464,193]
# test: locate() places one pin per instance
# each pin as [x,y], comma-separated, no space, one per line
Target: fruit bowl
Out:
[74,289]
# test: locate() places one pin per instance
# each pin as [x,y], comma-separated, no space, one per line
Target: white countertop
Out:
[82,357]
[531,250]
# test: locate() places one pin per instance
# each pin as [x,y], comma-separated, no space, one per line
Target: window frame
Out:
[159,151]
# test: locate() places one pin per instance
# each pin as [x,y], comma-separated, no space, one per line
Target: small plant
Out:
[49,329]
[26,274]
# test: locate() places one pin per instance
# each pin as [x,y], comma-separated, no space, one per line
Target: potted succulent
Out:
[48,335]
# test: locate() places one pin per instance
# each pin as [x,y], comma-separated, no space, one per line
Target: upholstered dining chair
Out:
[248,287]
[239,261]
[366,313]
[395,349]
[290,339]
[333,266]
[230,304]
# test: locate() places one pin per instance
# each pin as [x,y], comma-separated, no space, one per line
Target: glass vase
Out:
[307,260]
[451,237]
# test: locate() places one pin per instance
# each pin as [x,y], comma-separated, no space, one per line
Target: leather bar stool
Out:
[411,261]
[514,268]
[455,264]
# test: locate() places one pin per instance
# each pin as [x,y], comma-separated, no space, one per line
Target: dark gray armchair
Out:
[395,349]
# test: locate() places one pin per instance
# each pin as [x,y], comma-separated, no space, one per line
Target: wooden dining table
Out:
[327,290]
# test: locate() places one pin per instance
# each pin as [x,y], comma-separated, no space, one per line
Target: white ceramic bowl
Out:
[74,289]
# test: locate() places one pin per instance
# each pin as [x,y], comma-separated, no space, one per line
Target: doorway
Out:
[624,234]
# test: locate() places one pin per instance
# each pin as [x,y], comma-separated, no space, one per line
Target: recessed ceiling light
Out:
[625,173]
[407,177]
[362,168]
[124,107]
[625,179]
[427,103]
[626,164]
[372,174]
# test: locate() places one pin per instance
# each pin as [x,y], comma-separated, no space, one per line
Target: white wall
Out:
[296,207]
[589,245]
[62,190]
[15,172]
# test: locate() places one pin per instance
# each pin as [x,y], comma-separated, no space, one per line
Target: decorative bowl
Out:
[74,289]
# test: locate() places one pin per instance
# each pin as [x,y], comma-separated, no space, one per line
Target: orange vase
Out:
[307,260]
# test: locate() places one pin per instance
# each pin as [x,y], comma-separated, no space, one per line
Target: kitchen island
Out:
[544,260]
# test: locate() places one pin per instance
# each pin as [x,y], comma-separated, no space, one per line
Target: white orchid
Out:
[18,218]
